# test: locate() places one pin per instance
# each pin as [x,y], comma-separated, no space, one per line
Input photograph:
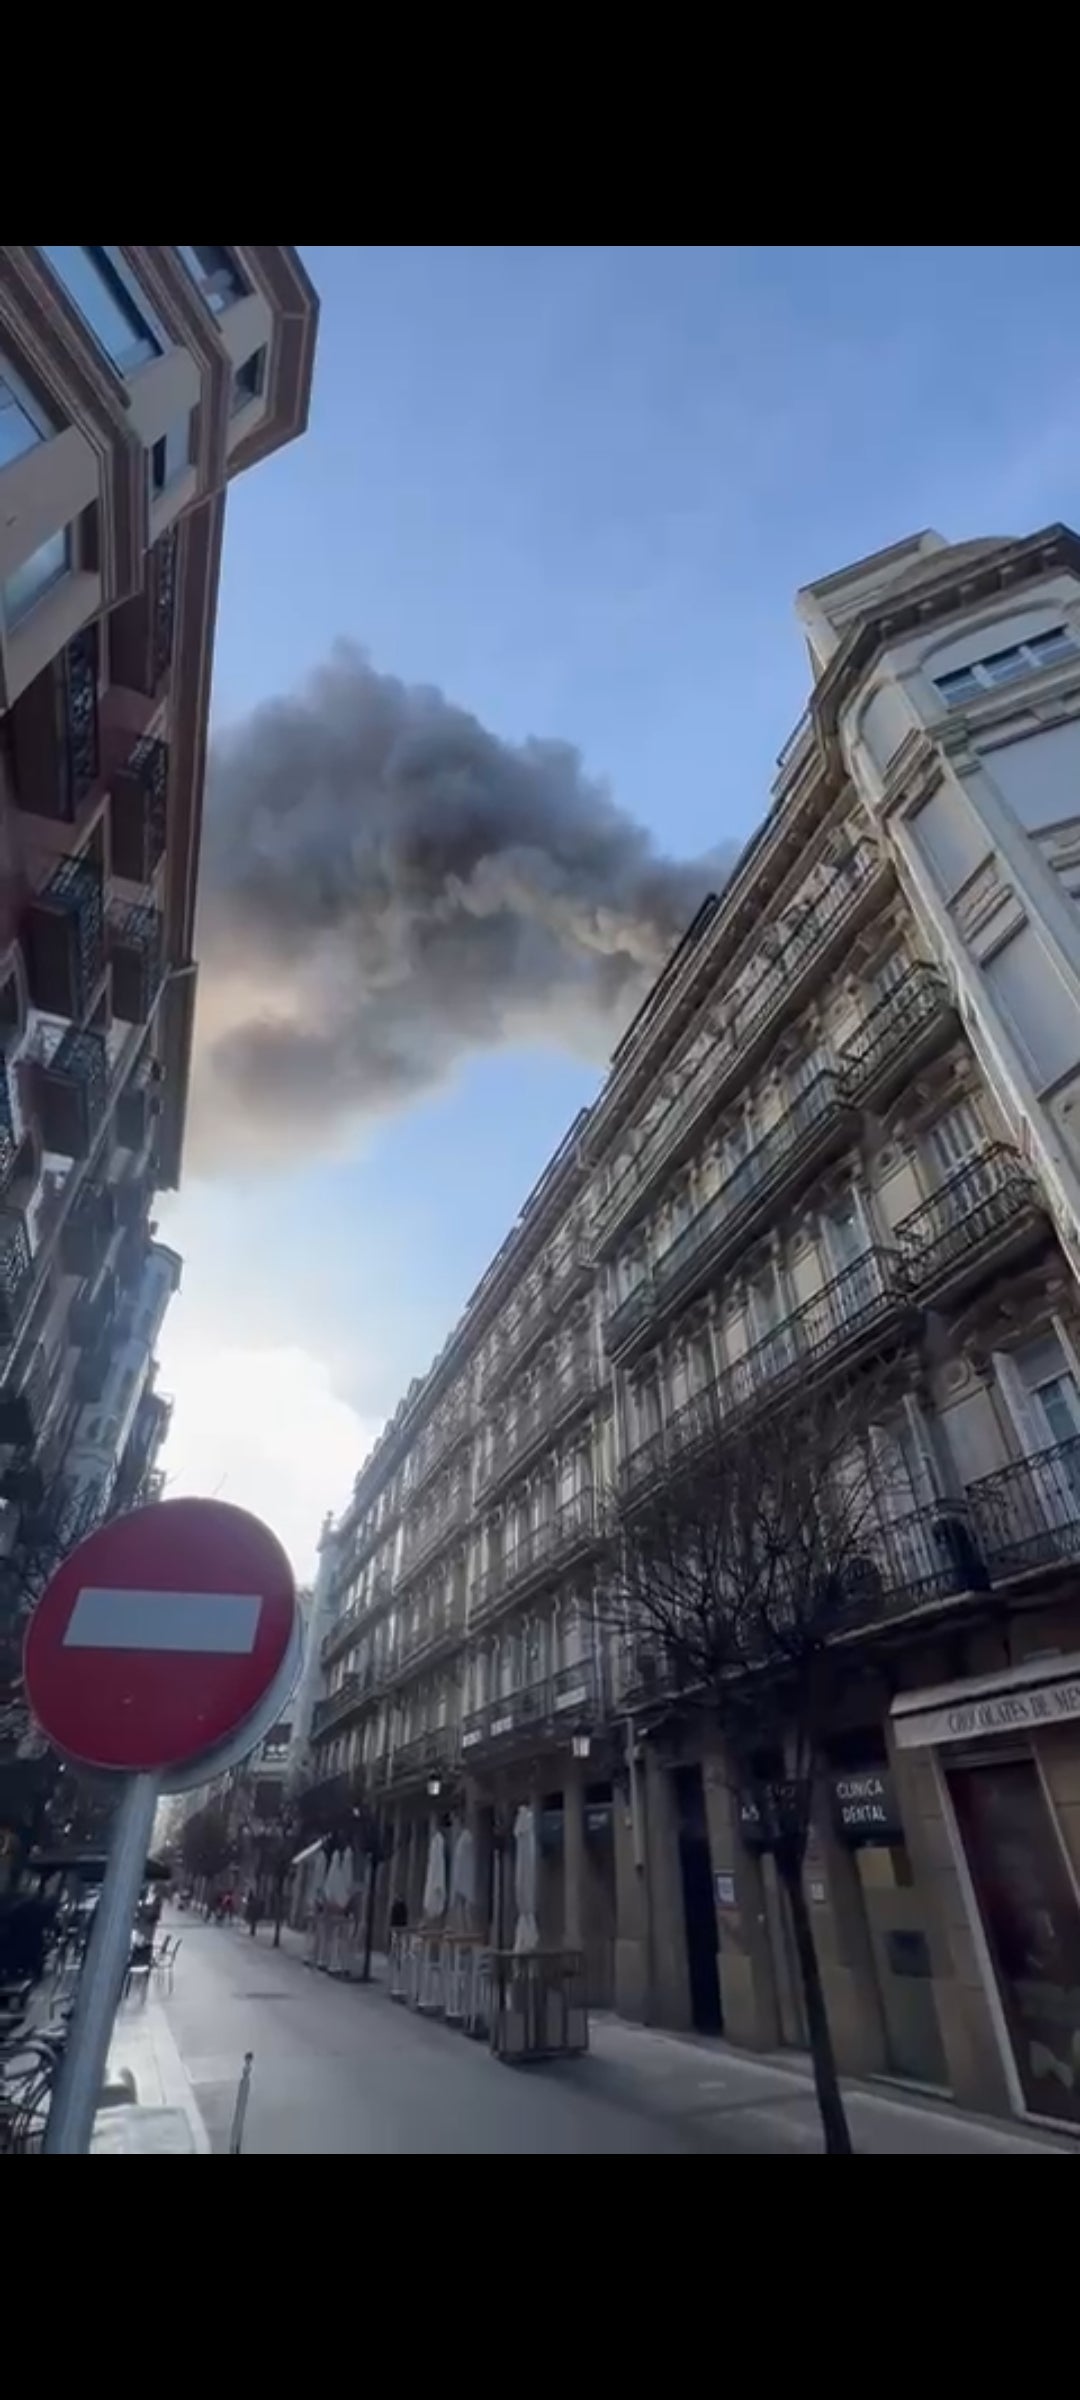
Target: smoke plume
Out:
[387,887]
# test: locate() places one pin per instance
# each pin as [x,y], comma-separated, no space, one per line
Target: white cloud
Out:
[262,1428]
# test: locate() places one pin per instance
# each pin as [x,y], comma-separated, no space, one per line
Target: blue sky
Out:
[578,489]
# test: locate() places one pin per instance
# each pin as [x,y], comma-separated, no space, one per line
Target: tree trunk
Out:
[369,1919]
[834,2122]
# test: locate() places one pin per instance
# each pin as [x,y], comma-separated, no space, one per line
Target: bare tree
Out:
[739,1573]
[208,1842]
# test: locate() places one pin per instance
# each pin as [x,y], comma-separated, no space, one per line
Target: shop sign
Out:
[1029,1710]
[865,1806]
[725,1891]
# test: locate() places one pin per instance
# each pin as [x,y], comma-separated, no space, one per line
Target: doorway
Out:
[699,1906]
[1031,1920]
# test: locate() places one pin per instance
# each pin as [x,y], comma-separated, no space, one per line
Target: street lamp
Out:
[434,1786]
[581,1745]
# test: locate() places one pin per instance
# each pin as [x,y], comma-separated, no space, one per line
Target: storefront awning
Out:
[1021,1699]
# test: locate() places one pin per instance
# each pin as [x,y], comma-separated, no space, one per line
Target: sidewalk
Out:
[164,2119]
[732,2099]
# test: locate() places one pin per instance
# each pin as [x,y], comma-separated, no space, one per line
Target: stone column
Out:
[748,1996]
[669,1981]
[573,1857]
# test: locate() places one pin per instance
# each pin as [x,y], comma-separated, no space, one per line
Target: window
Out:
[105,293]
[954,1139]
[248,382]
[36,576]
[1006,666]
[170,456]
[214,273]
[23,423]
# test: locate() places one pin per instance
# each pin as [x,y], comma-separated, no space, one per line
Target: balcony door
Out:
[954,1146]
[1043,1396]
[848,1242]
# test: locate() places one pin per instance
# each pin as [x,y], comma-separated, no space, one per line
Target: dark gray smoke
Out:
[387,888]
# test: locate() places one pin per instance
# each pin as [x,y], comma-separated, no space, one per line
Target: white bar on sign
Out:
[225,1622]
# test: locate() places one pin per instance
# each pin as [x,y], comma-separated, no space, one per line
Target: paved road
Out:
[338,2069]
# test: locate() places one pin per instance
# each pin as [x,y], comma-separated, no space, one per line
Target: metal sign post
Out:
[82,2073]
[161,1651]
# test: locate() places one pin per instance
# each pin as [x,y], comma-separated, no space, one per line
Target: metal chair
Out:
[165,1957]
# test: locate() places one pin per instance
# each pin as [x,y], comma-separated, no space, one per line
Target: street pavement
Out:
[341,2068]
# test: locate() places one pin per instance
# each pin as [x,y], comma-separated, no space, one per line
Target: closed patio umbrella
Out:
[463,1879]
[434,1902]
[526,1931]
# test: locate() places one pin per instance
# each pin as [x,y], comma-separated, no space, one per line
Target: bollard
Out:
[236,2137]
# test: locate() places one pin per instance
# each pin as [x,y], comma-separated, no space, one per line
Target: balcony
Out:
[65,939]
[906,1565]
[141,630]
[541,1303]
[439,1439]
[792,968]
[71,1086]
[134,944]
[353,1693]
[11,1130]
[54,733]
[442,1634]
[818,1123]
[88,1228]
[549,1710]
[428,1538]
[425,1754]
[139,812]
[982,1219]
[539,1419]
[1027,1515]
[16,1271]
[347,1628]
[861,1307]
[543,1552]
[915,1020]
[92,1368]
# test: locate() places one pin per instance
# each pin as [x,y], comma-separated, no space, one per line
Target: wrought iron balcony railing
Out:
[440,1438]
[780,987]
[16,1271]
[825,1331]
[72,1087]
[54,732]
[24,1405]
[540,1303]
[352,1693]
[817,1119]
[433,1753]
[975,1217]
[65,939]
[426,1538]
[540,1552]
[141,629]
[898,1034]
[539,1417]
[1027,1515]
[135,952]
[549,1708]
[139,811]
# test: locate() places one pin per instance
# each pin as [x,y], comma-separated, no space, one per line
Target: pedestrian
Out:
[251,1911]
[399,1915]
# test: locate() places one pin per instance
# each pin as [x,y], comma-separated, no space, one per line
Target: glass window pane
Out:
[36,576]
[1060,643]
[92,282]
[963,684]
[214,271]
[22,422]
[1003,666]
[248,381]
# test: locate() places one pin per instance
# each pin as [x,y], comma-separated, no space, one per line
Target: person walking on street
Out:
[251,1911]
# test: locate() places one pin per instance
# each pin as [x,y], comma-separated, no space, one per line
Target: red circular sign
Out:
[159,1636]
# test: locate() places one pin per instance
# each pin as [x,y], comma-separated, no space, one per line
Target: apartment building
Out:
[842,1134]
[134,384]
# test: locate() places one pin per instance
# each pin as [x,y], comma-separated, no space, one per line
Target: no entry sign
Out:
[159,1636]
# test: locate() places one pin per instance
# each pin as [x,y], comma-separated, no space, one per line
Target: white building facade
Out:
[844,1128]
